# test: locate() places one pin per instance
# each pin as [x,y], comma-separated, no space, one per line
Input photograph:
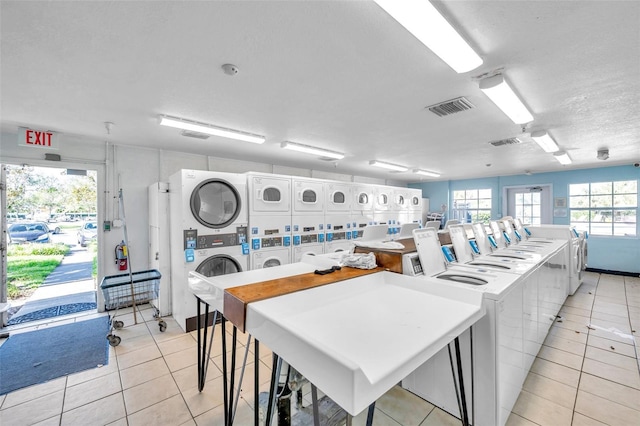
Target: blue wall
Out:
[609,253]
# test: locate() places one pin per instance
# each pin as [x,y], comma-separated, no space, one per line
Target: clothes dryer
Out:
[308,196]
[208,232]
[269,194]
[338,198]
[382,198]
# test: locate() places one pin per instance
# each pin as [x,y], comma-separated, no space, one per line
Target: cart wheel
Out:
[118,325]
[162,325]
[114,340]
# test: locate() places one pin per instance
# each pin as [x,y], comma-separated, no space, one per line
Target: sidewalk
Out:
[68,289]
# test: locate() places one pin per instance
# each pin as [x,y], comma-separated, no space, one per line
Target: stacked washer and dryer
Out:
[361,208]
[338,220]
[307,217]
[209,223]
[269,219]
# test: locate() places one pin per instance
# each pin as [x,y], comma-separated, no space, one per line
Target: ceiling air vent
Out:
[509,141]
[451,107]
[197,135]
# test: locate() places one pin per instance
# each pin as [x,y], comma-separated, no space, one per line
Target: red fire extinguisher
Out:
[121,256]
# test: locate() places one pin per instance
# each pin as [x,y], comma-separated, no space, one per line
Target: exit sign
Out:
[37,138]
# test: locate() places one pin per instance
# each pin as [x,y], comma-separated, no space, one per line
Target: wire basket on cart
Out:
[121,291]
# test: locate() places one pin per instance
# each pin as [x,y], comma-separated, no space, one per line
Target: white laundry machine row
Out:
[270,240]
[308,235]
[505,341]
[209,232]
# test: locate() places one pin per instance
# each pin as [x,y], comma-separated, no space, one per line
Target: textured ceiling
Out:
[336,74]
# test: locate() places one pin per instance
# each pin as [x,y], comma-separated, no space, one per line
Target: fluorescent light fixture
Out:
[562,157]
[194,126]
[499,91]
[312,150]
[424,21]
[545,141]
[426,173]
[388,166]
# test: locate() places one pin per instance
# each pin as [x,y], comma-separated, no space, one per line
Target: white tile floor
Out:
[587,373]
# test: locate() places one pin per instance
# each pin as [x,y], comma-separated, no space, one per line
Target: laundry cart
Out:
[123,290]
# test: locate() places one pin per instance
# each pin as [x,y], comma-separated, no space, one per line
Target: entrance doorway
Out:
[50,223]
[531,204]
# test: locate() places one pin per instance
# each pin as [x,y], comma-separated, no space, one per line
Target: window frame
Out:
[577,201]
[475,211]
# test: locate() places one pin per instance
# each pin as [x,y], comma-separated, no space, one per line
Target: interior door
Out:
[531,204]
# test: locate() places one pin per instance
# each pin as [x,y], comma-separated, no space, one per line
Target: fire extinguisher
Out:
[121,256]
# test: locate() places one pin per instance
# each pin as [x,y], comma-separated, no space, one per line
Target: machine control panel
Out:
[272,242]
[194,241]
[411,264]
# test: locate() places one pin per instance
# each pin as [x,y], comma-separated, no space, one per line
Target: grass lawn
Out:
[29,264]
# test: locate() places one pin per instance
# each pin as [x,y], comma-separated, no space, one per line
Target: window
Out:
[605,208]
[528,208]
[472,205]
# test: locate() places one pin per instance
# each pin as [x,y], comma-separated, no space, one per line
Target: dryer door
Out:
[215,203]
[219,264]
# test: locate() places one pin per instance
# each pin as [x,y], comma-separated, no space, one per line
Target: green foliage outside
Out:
[29,264]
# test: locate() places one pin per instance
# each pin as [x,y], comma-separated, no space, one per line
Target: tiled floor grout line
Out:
[635,343]
[584,355]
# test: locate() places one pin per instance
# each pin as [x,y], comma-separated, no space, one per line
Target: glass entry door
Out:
[532,205]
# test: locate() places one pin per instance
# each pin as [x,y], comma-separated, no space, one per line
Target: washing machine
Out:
[270,240]
[568,234]
[307,196]
[308,235]
[208,234]
[269,194]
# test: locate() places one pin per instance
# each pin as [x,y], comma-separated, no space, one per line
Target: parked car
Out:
[29,232]
[87,232]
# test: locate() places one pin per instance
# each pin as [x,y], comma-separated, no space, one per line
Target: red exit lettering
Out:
[38,138]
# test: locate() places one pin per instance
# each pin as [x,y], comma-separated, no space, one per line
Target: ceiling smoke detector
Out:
[230,69]
[603,154]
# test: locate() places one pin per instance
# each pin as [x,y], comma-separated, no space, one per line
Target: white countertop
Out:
[356,339]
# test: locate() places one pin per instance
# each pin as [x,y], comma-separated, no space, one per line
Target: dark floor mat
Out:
[54,311]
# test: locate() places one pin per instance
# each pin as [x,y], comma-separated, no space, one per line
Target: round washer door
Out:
[219,264]
[215,203]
